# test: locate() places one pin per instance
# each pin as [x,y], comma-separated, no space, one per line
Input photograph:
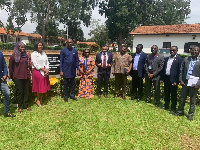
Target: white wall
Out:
[24,39]
[175,39]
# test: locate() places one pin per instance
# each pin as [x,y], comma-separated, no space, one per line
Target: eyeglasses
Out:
[153,48]
[194,50]
[87,52]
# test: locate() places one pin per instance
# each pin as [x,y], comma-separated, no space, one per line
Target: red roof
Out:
[167,29]
[35,35]
[2,31]
[88,43]
[21,33]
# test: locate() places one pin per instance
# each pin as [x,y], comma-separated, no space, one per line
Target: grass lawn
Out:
[98,124]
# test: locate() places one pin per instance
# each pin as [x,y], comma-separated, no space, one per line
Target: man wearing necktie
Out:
[189,67]
[153,66]
[103,62]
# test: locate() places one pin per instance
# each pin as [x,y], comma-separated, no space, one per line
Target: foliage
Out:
[124,15]
[94,48]
[81,45]
[99,33]
[97,124]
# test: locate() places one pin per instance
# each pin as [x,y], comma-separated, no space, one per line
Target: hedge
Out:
[58,87]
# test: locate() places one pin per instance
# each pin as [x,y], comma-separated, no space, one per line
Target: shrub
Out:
[94,48]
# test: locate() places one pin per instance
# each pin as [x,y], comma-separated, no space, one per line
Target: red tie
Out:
[104,61]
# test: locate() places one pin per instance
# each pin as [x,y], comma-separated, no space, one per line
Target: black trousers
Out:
[104,77]
[137,85]
[22,86]
[184,93]
[120,82]
[67,82]
[156,84]
[170,91]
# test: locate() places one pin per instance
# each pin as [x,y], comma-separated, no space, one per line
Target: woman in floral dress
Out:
[86,72]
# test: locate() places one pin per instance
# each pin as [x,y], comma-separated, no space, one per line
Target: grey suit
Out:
[156,64]
[186,89]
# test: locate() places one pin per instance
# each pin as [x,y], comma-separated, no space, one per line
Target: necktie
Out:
[104,61]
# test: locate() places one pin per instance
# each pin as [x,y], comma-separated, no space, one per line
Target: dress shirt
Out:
[136,60]
[39,61]
[191,66]
[169,64]
[102,58]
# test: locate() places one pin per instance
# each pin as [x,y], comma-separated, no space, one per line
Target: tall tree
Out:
[99,33]
[124,15]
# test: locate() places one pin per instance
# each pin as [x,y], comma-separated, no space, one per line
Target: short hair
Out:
[155,46]
[36,45]
[176,47]
[140,46]
[83,54]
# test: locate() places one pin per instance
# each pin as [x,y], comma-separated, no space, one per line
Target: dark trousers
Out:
[67,82]
[170,90]
[137,85]
[15,94]
[103,77]
[120,82]
[22,86]
[156,84]
[184,93]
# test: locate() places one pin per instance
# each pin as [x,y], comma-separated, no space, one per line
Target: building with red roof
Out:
[185,36]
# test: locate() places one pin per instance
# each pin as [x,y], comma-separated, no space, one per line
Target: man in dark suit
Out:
[137,72]
[103,62]
[189,67]
[153,66]
[171,72]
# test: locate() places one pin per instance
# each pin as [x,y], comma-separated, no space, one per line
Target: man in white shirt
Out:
[171,72]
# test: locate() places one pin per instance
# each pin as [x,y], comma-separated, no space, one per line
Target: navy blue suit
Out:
[137,76]
[169,89]
[69,62]
[103,73]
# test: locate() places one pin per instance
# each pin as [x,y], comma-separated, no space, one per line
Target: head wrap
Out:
[17,53]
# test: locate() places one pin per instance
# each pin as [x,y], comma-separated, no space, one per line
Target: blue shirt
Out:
[191,66]
[69,61]
[136,60]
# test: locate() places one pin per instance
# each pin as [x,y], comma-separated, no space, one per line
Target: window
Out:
[166,44]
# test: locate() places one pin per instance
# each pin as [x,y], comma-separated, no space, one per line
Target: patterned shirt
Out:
[122,61]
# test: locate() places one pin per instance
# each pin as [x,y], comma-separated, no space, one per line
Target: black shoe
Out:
[157,105]
[74,98]
[138,99]
[133,97]
[190,118]
[9,115]
[164,107]
[179,114]
[147,100]
[66,99]
[172,112]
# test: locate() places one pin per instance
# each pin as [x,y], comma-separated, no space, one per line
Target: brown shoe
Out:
[20,110]
[99,96]
[106,96]
[123,97]
[28,109]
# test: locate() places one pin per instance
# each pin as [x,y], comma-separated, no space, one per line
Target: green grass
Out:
[98,124]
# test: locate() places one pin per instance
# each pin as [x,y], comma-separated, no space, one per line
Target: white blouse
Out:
[39,61]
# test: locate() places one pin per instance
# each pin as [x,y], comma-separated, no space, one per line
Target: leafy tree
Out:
[99,33]
[124,15]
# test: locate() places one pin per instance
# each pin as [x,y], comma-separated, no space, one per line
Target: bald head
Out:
[69,43]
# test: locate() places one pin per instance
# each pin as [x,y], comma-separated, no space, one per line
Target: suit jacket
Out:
[174,70]
[141,64]
[157,66]
[99,60]
[185,66]
[3,66]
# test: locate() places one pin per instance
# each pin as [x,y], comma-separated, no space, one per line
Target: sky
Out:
[29,27]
